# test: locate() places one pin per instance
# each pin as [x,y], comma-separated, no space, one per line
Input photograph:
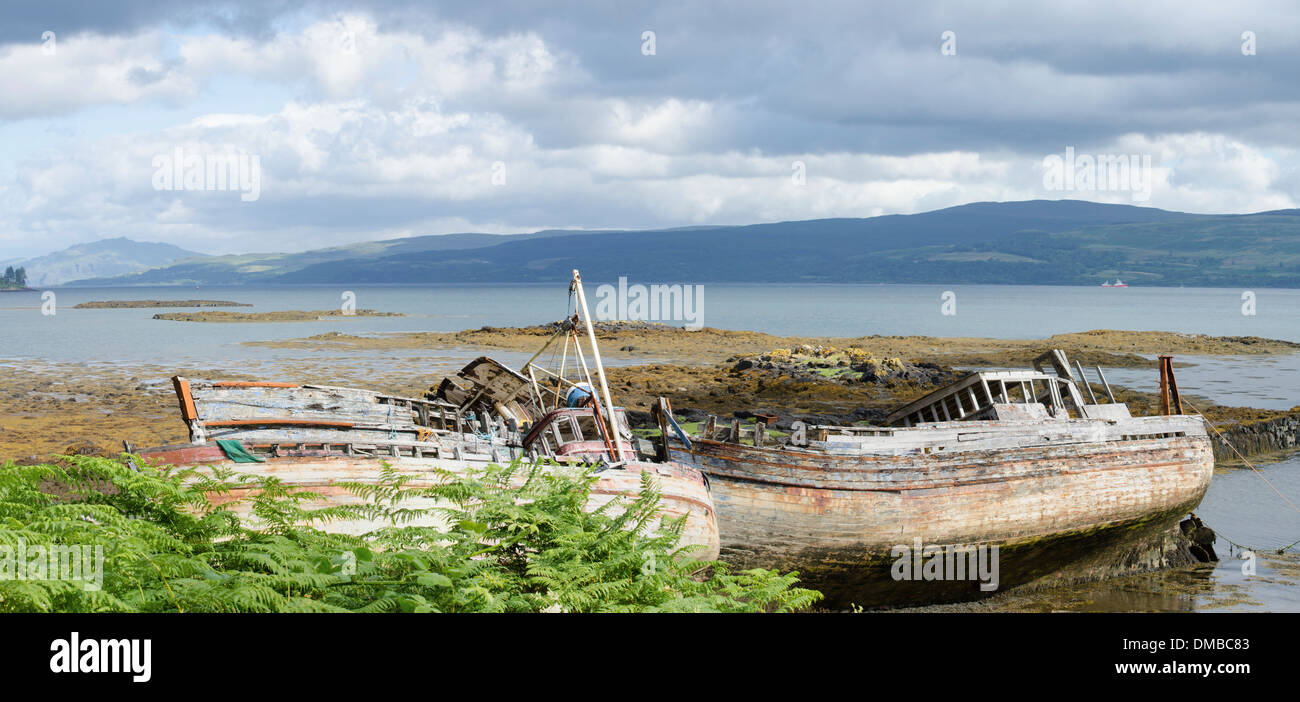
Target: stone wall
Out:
[1273,436]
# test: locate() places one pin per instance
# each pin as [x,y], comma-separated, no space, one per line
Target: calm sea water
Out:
[1239,505]
[1252,523]
[1000,311]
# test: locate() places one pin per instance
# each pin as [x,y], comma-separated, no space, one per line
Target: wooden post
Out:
[1170,402]
[659,409]
[188,411]
[1173,389]
[1164,385]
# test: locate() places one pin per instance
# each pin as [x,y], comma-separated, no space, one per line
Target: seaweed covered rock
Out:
[842,365]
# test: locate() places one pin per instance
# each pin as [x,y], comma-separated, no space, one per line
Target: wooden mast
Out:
[600,368]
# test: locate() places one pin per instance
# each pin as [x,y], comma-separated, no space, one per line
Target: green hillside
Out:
[269,267]
[1036,242]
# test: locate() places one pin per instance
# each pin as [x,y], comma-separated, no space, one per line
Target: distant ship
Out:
[1117,284]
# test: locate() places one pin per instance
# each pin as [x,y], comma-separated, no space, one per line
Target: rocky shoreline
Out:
[724,373]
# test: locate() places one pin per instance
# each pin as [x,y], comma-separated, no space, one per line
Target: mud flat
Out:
[1103,347]
[130,304]
[277,316]
[55,408]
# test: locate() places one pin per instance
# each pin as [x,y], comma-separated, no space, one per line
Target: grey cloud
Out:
[780,78]
[844,75]
[26,21]
[142,76]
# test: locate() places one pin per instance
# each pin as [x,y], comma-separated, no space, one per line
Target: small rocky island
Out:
[124,304]
[276,316]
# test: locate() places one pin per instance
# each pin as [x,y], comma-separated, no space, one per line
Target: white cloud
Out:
[84,71]
[393,132]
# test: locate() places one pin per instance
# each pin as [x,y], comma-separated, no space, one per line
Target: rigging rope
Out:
[1267,482]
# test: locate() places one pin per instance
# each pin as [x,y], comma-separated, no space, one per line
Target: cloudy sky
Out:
[380,120]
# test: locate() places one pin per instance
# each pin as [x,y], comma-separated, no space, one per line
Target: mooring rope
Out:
[1261,475]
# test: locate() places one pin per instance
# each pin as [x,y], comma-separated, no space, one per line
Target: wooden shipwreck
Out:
[316,437]
[1066,488]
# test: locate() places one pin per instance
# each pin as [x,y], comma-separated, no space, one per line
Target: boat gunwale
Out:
[953,483]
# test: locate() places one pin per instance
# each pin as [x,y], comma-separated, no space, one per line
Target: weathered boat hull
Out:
[685,491]
[1092,502]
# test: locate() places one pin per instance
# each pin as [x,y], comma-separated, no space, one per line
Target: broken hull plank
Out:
[835,515]
[684,490]
[256,402]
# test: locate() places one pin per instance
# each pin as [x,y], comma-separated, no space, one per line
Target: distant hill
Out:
[875,249]
[1033,242]
[270,267]
[106,257]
